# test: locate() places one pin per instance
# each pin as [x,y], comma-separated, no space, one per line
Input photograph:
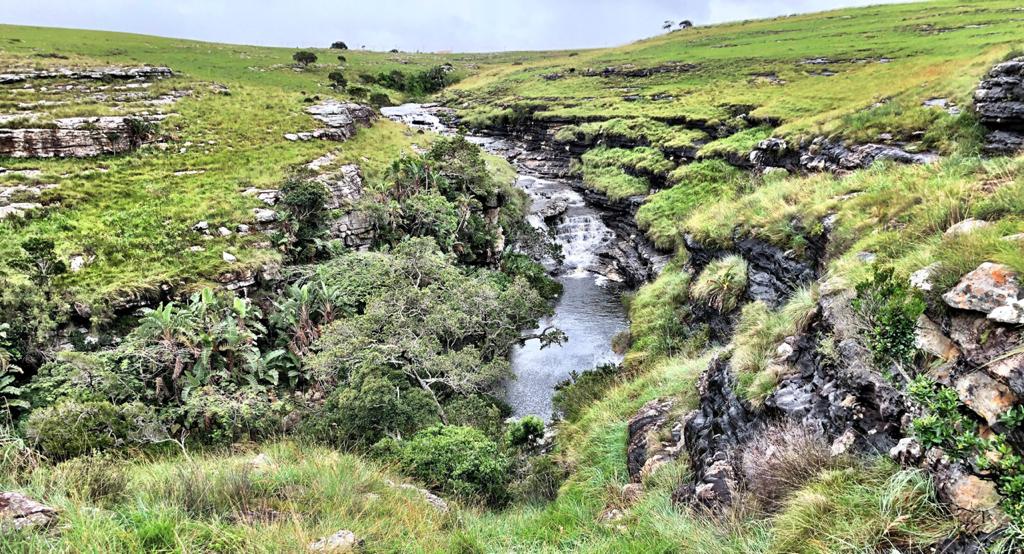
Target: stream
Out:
[590,310]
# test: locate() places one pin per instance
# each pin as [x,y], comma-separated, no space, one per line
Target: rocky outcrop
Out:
[94,73]
[712,435]
[341,121]
[18,512]
[999,103]
[77,137]
[823,154]
[992,289]
[653,439]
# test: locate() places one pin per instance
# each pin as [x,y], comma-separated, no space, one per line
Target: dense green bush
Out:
[218,415]
[891,309]
[457,460]
[376,408]
[72,428]
[525,432]
[541,478]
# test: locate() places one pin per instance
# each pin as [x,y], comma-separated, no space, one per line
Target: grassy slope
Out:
[936,49]
[135,216]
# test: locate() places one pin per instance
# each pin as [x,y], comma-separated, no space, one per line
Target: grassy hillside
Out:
[673,119]
[818,73]
[134,214]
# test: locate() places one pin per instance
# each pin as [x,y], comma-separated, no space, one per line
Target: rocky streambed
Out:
[602,259]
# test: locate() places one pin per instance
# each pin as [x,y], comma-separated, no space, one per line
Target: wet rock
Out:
[999,103]
[985,396]
[340,542]
[992,289]
[928,336]
[18,511]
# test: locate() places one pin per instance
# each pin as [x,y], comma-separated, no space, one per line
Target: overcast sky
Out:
[424,25]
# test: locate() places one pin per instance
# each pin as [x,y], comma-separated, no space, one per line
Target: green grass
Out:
[131,214]
[908,52]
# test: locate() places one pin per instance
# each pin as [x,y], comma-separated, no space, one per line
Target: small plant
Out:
[304,58]
[138,131]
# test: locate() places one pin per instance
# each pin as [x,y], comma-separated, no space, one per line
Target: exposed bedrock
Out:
[95,73]
[999,103]
[77,137]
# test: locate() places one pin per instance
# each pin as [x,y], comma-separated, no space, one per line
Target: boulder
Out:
[18,511]
[342,541]
[342,119]
[922,278]
[972,500]
[928,336]
[992,289]
[966,227]
[985,396]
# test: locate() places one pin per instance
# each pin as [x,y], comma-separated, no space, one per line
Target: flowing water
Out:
[589,311]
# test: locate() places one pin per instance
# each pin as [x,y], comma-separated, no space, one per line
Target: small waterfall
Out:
[582,237]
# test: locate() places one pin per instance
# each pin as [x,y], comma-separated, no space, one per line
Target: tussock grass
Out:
[722,284]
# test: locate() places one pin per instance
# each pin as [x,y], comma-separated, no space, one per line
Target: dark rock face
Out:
[772,273]
[643,449]
[637,72]
[999,103]
[822,154]
[713,434]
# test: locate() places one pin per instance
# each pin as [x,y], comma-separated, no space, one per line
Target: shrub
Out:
[478,411]
[304,57]
[363,414]
[339,45]
[541,479]
[457,460]
[722,284]
[338,80]
[222,417]
[891,309]
[356,91]
[525,432]
[71,429]
[380,99]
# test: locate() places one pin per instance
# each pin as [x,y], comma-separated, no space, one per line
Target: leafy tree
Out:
[339,45]
[305,201]
[40,261]
[432,325]
[304,57]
